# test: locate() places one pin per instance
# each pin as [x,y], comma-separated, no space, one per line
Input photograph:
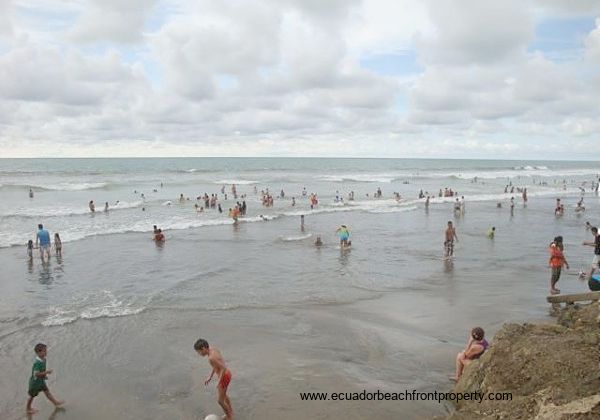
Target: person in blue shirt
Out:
[43,238]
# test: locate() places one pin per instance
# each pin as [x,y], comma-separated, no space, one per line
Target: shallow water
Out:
[120,314]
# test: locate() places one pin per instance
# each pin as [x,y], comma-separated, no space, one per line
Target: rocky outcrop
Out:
[552,371]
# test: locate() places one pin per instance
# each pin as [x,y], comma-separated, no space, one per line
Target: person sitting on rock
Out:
[476,346]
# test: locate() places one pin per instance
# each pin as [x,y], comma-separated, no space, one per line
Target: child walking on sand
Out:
[37,380]
[218,367]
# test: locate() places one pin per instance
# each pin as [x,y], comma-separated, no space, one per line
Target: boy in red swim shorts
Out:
[218,366]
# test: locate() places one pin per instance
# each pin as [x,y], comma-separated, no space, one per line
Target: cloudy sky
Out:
[403,78]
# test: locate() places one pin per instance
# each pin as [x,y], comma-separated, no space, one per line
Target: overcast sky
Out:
[378,78]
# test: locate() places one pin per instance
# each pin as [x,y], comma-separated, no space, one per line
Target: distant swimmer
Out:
[158,236]
[92,206]
[293,201]
[220,208]
[457,206]
[43,238]
[580,207]
[588,226]
[491,233]
[344,235]
[57,245]
[106,206]
[30,193]
[525,196]
[318,241]
[512,204]
[558,208]
[263,218]
[450,236]
[498,205]
[427,203]
[181,198]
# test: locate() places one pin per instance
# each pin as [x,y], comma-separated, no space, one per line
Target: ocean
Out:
[120,314]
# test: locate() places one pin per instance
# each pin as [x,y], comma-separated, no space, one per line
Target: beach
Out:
[120,314]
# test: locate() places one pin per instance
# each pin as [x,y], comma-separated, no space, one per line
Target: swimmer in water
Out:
[106,206]
[30,193]
[92,206]
[491,232]
[318,241]
[159,237]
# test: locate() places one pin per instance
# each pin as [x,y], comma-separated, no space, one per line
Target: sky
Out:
[510,79]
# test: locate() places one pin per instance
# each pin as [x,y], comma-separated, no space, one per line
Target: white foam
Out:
[62,186]
[102,304]
[67,211]
[385,178]
[296,238]
[236,182]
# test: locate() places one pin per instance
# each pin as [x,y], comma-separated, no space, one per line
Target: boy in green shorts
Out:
[37,380]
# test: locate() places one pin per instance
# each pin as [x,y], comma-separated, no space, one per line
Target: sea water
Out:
[387,314]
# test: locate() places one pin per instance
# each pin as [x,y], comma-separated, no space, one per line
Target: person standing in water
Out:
[30,250]
[450,236]
[106,207]
[344,235]
[556,262]
[43,237]
[30,193]
[302,222]
[92,206]
[57,245]
[491,233]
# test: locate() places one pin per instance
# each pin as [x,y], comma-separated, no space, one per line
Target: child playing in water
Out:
[218,367]
[37,380]
[30,249]
[344,235]
[57,245]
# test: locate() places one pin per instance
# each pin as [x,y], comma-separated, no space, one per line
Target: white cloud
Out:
[5,17]
[112,20]
[284,77]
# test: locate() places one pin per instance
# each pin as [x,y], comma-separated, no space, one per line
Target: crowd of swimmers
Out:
[476,344]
